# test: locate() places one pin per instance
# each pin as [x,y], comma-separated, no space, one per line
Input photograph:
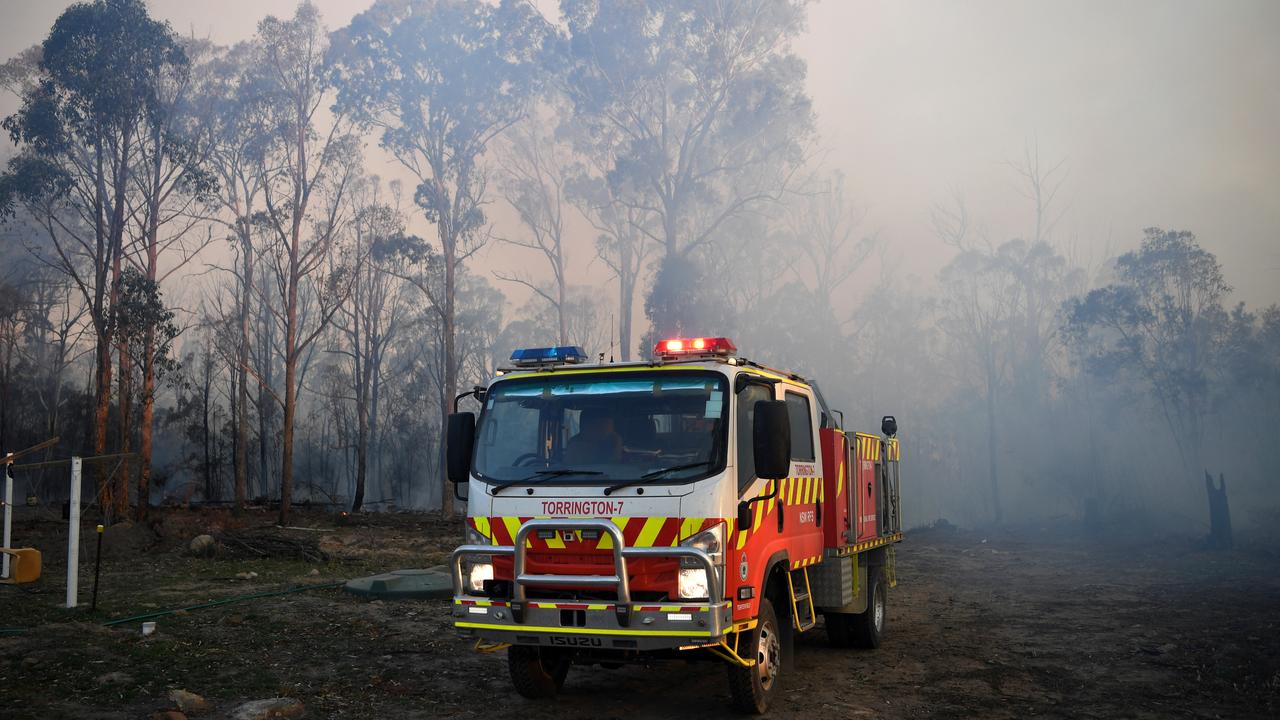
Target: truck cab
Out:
[635,509]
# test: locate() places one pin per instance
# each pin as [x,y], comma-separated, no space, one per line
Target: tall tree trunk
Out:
[147,422]
[206,391]
[101,409]
[991,446]
[375,442]
[361,358]
[362,453]
[242,377]
[149,351]
[626,298]
[124,382]
[560,298]
[266,402]
[290,383]
[450,388]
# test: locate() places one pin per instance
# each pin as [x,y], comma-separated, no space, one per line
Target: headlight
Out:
[477,574]
[692,581]
[477,568]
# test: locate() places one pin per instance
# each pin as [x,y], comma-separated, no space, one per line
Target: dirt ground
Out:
[1006,625]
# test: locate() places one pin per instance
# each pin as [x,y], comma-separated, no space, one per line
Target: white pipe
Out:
[73,537]
[8,518]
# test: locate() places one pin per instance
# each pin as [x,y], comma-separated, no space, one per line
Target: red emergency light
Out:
[684,347]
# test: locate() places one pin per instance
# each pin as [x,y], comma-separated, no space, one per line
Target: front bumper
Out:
[612,625]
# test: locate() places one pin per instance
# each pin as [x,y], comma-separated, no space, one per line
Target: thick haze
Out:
[1164,113]
[1020,391]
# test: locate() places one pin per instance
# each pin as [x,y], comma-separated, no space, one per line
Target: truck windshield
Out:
[650,427]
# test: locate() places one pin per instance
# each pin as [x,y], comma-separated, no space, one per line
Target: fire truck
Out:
[697,505]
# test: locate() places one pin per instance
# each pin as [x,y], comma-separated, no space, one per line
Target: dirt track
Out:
[978,627]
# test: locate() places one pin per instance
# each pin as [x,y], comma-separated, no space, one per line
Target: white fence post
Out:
[8,518]
[73,537]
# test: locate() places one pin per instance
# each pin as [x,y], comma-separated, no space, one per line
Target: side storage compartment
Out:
[836,527]
[838,584]
[831,582]
[867,455]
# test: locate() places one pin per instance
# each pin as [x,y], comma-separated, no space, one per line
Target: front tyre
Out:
[537,673]
[753,688]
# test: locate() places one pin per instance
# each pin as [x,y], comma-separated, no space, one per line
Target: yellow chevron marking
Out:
[758,515]
[652,526]
[513,528]
[482,527]
[840,483]
[555,542]
[689,527]
[606,540]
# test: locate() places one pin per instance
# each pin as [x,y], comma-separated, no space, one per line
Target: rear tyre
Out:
[867,628]
[753,688]
[536,673]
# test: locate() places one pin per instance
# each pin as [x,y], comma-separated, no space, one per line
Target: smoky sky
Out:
[1160,113]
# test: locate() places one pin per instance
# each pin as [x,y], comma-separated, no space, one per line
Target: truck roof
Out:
[691,362]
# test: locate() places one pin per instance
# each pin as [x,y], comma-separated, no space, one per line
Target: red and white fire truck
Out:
[699,504]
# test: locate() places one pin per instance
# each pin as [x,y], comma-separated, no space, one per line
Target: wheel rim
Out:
[768,655]
[878,616]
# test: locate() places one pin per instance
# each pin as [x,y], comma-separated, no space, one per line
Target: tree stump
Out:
[1219,513]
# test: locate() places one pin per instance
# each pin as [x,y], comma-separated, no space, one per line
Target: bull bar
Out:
[715,607]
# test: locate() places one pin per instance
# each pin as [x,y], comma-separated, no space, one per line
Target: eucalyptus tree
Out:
[1161,325]
[440,80]
[310,159]
[82,120]
[535,181]
[240,136]
[369,323]
[172,182]
[702,107]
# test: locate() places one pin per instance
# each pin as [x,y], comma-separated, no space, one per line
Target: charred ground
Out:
[1006,624]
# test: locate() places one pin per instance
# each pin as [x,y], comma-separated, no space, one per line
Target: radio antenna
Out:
[612,337]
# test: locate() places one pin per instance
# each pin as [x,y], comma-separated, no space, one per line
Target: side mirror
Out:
[744,514]
[888,426]
[771,437]
[460,440]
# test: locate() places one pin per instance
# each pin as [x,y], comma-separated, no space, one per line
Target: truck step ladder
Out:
[801,599]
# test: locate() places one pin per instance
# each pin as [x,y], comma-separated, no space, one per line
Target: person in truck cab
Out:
[597,441]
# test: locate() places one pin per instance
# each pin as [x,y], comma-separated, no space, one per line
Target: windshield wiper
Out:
[653,474]
[542,476]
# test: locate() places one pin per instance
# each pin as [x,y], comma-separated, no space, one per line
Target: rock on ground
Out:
[203,546]
[189,702]
[269,709]
[115,678]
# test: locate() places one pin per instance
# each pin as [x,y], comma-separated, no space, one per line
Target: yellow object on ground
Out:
[25,566]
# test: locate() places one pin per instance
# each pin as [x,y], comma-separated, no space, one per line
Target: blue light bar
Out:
[548,356]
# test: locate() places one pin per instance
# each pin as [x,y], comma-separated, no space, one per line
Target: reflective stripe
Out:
[583,631]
